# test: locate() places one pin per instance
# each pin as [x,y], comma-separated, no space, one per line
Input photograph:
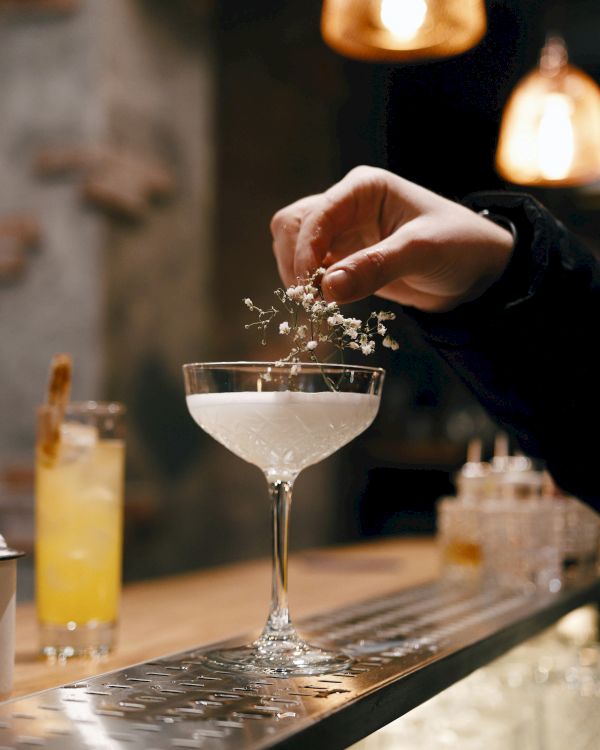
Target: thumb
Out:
[368,270]
[344,206]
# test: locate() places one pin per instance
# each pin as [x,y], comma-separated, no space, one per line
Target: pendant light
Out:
[395,30]
[550,131]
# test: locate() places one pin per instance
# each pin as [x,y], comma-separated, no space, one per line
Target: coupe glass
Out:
[282,419]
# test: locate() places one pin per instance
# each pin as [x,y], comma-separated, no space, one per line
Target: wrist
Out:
[518,285]
[493,254]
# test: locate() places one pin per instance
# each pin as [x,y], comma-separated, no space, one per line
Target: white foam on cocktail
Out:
[283,432]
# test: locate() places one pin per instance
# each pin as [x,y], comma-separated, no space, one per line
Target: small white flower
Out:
[295,293]
[266,376]
[320,271]
[324,324]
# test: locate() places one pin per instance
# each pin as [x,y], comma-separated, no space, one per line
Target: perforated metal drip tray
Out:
[407,647]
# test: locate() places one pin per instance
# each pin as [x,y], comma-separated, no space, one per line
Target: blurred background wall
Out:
[144,147]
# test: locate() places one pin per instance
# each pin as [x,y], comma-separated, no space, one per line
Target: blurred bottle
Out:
[579,529]
[512,476]
[459,520]
[472,481]
[520,481]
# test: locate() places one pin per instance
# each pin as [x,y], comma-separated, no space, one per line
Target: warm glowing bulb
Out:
[555,139]
[396,30]
[550,132]
[403,18]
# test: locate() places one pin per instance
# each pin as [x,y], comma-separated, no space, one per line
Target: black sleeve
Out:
[528,347]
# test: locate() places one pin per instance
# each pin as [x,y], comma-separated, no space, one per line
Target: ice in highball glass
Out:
[281,418]
[79,527]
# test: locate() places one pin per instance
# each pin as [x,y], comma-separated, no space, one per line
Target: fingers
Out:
[344,226]
[285,226]
[352,202]
[373,269]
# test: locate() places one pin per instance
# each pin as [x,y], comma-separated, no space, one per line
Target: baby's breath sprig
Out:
[311,321]
[264,318]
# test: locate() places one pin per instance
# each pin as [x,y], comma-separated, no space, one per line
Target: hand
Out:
[377,233]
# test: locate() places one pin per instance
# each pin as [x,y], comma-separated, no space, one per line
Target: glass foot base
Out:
[62,642]
[283,658]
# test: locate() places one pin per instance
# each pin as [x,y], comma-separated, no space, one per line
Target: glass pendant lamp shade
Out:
[550,131]
[395,30]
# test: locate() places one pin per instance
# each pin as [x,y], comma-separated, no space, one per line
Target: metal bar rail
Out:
[406,646]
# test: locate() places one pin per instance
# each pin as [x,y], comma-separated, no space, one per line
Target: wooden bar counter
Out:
[172,614]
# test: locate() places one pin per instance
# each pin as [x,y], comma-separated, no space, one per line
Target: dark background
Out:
[249,110]
[433,122]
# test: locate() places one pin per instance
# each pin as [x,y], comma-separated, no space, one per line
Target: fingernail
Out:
[339,284]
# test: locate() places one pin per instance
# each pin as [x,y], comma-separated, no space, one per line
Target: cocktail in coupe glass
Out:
[282,419]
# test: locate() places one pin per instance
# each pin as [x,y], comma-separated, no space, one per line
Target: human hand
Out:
[377,233]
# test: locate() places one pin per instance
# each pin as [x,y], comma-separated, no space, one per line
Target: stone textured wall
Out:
[48,92]
[128,299]
[238,103]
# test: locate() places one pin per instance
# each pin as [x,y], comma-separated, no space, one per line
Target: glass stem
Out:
[279,625]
